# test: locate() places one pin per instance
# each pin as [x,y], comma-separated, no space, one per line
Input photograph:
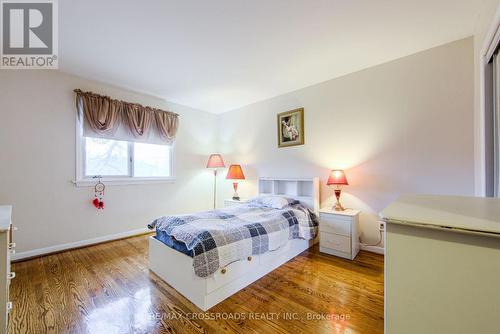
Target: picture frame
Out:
[291,128]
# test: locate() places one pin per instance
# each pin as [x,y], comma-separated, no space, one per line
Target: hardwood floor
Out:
[108,289]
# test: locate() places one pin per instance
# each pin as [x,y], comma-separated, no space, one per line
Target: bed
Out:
[251,240]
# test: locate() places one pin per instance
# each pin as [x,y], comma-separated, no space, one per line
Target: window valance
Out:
[109,118]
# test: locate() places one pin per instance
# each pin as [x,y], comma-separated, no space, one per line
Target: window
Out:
[106,157]
[151,160]
[122,142]
[126,161]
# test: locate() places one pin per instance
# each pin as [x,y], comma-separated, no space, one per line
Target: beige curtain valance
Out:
[105,117]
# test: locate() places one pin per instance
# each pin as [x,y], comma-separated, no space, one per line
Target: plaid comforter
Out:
[220,237]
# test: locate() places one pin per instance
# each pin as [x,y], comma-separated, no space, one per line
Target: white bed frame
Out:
[176,268]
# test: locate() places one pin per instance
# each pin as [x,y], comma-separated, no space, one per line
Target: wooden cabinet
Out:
[6,248]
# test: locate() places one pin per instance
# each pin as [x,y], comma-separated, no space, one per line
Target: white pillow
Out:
[272,201]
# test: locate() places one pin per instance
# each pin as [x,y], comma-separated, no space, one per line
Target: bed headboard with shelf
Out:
[304,190]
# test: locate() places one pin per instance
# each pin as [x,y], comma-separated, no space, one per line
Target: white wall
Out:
[402,127]
[37,164]
[488,20]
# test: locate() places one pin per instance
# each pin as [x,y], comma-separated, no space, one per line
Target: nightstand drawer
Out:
[335,241]
[335,226]
[338,217]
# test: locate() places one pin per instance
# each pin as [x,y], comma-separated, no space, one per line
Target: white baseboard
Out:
[88,242]
[76,244]
[373,249]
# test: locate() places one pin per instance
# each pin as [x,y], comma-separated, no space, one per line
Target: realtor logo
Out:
[29,34]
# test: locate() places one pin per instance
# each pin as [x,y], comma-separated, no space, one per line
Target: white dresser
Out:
[442,265]
[6,248]
[339,232]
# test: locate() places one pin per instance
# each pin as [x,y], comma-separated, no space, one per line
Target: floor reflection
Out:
[125,315]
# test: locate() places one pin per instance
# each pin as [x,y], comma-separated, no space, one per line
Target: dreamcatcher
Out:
[99,194]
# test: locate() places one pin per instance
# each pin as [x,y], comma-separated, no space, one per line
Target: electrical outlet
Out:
[381,226]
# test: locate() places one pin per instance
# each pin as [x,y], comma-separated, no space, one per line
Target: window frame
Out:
[83,180]
[489,74]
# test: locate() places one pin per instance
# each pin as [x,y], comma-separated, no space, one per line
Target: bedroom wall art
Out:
[291,128]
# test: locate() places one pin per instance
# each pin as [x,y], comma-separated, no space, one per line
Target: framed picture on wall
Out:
[291,128]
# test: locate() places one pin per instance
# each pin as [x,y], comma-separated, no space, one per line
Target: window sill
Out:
[123,181]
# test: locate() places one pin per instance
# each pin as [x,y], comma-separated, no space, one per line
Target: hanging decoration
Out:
[99,194]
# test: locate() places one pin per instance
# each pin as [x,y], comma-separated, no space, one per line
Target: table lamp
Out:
[337,177]
[215,161]
[235,173]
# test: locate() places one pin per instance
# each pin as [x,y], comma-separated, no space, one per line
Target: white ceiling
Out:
[219,55]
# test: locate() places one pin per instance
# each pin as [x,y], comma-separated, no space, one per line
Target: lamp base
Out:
[235,196]
[338,207]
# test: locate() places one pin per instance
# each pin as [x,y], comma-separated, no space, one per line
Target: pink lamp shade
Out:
[235,173]
[215,161]
[337,177]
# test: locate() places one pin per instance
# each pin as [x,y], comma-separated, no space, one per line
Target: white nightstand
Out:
[338,232]
[231,202]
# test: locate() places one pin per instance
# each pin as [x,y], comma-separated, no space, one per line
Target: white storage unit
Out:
[339,232]
[303,190]
[442,265]
[6,248]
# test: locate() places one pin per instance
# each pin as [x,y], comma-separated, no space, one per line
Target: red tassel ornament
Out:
[99,194]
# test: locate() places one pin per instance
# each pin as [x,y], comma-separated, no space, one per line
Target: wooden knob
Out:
[249,258]
[223,270]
